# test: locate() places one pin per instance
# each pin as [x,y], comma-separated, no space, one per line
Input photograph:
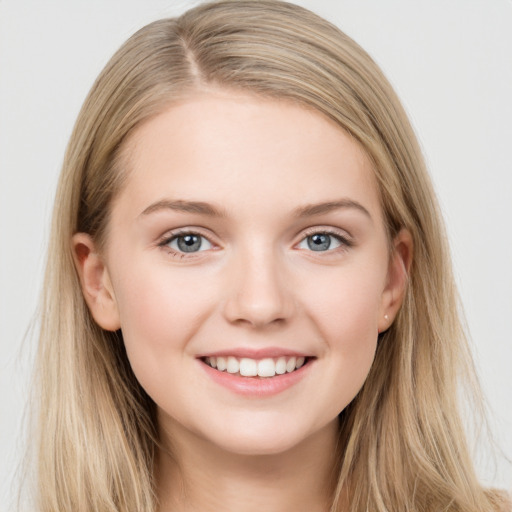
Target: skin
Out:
[255,283]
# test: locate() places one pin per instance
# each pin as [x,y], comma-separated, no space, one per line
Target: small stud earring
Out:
[386,317]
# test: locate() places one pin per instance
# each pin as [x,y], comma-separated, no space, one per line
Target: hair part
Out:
[402,443]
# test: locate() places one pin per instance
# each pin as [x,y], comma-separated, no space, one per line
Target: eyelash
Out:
[170,237]
[345,243]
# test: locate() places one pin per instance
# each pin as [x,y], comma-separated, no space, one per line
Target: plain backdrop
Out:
[451,63]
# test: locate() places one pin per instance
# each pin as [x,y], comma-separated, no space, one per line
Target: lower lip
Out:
[257,386]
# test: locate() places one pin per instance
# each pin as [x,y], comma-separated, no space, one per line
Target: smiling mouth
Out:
[246,367]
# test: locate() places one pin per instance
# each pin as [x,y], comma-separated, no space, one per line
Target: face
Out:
[248,267]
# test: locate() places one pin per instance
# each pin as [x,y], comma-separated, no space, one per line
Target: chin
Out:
[255,438]
[257,447]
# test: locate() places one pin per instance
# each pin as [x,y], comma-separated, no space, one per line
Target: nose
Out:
[259,295]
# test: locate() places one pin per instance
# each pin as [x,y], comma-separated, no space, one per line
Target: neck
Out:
[202,476]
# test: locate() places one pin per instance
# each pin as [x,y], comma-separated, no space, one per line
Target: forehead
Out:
[237,149]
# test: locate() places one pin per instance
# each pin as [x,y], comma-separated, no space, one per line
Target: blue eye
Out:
[188,242]
[321,242]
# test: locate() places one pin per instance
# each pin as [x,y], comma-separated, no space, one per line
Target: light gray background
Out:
[451,63]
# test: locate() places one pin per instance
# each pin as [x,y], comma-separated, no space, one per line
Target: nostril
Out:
[259,298]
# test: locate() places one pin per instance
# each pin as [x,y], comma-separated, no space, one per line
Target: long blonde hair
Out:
[402,444]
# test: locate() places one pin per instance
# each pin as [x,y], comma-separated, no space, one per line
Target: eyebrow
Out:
[185,206]
[322,208]
[208,209]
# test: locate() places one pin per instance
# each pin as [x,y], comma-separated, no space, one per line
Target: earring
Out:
[386,317]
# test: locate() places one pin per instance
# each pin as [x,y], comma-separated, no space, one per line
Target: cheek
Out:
[160,312]
[345,307]
[346,304]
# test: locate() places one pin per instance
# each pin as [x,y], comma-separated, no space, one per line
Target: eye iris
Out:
[189,243]
[319,242]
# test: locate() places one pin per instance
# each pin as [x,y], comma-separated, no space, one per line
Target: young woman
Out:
[248,301]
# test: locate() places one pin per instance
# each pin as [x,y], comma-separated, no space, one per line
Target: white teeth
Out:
[290,365]
[248,367]
[281,366]
[221,363]
[266,368]
[233,366]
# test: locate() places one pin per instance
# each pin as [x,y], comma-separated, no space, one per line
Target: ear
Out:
[95,280]
[396,282]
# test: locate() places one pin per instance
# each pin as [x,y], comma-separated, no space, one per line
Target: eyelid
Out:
[342,235]
[345,239]
[164,240]
[328,230]
[187,230]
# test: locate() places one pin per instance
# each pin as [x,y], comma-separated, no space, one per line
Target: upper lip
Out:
[255,353]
